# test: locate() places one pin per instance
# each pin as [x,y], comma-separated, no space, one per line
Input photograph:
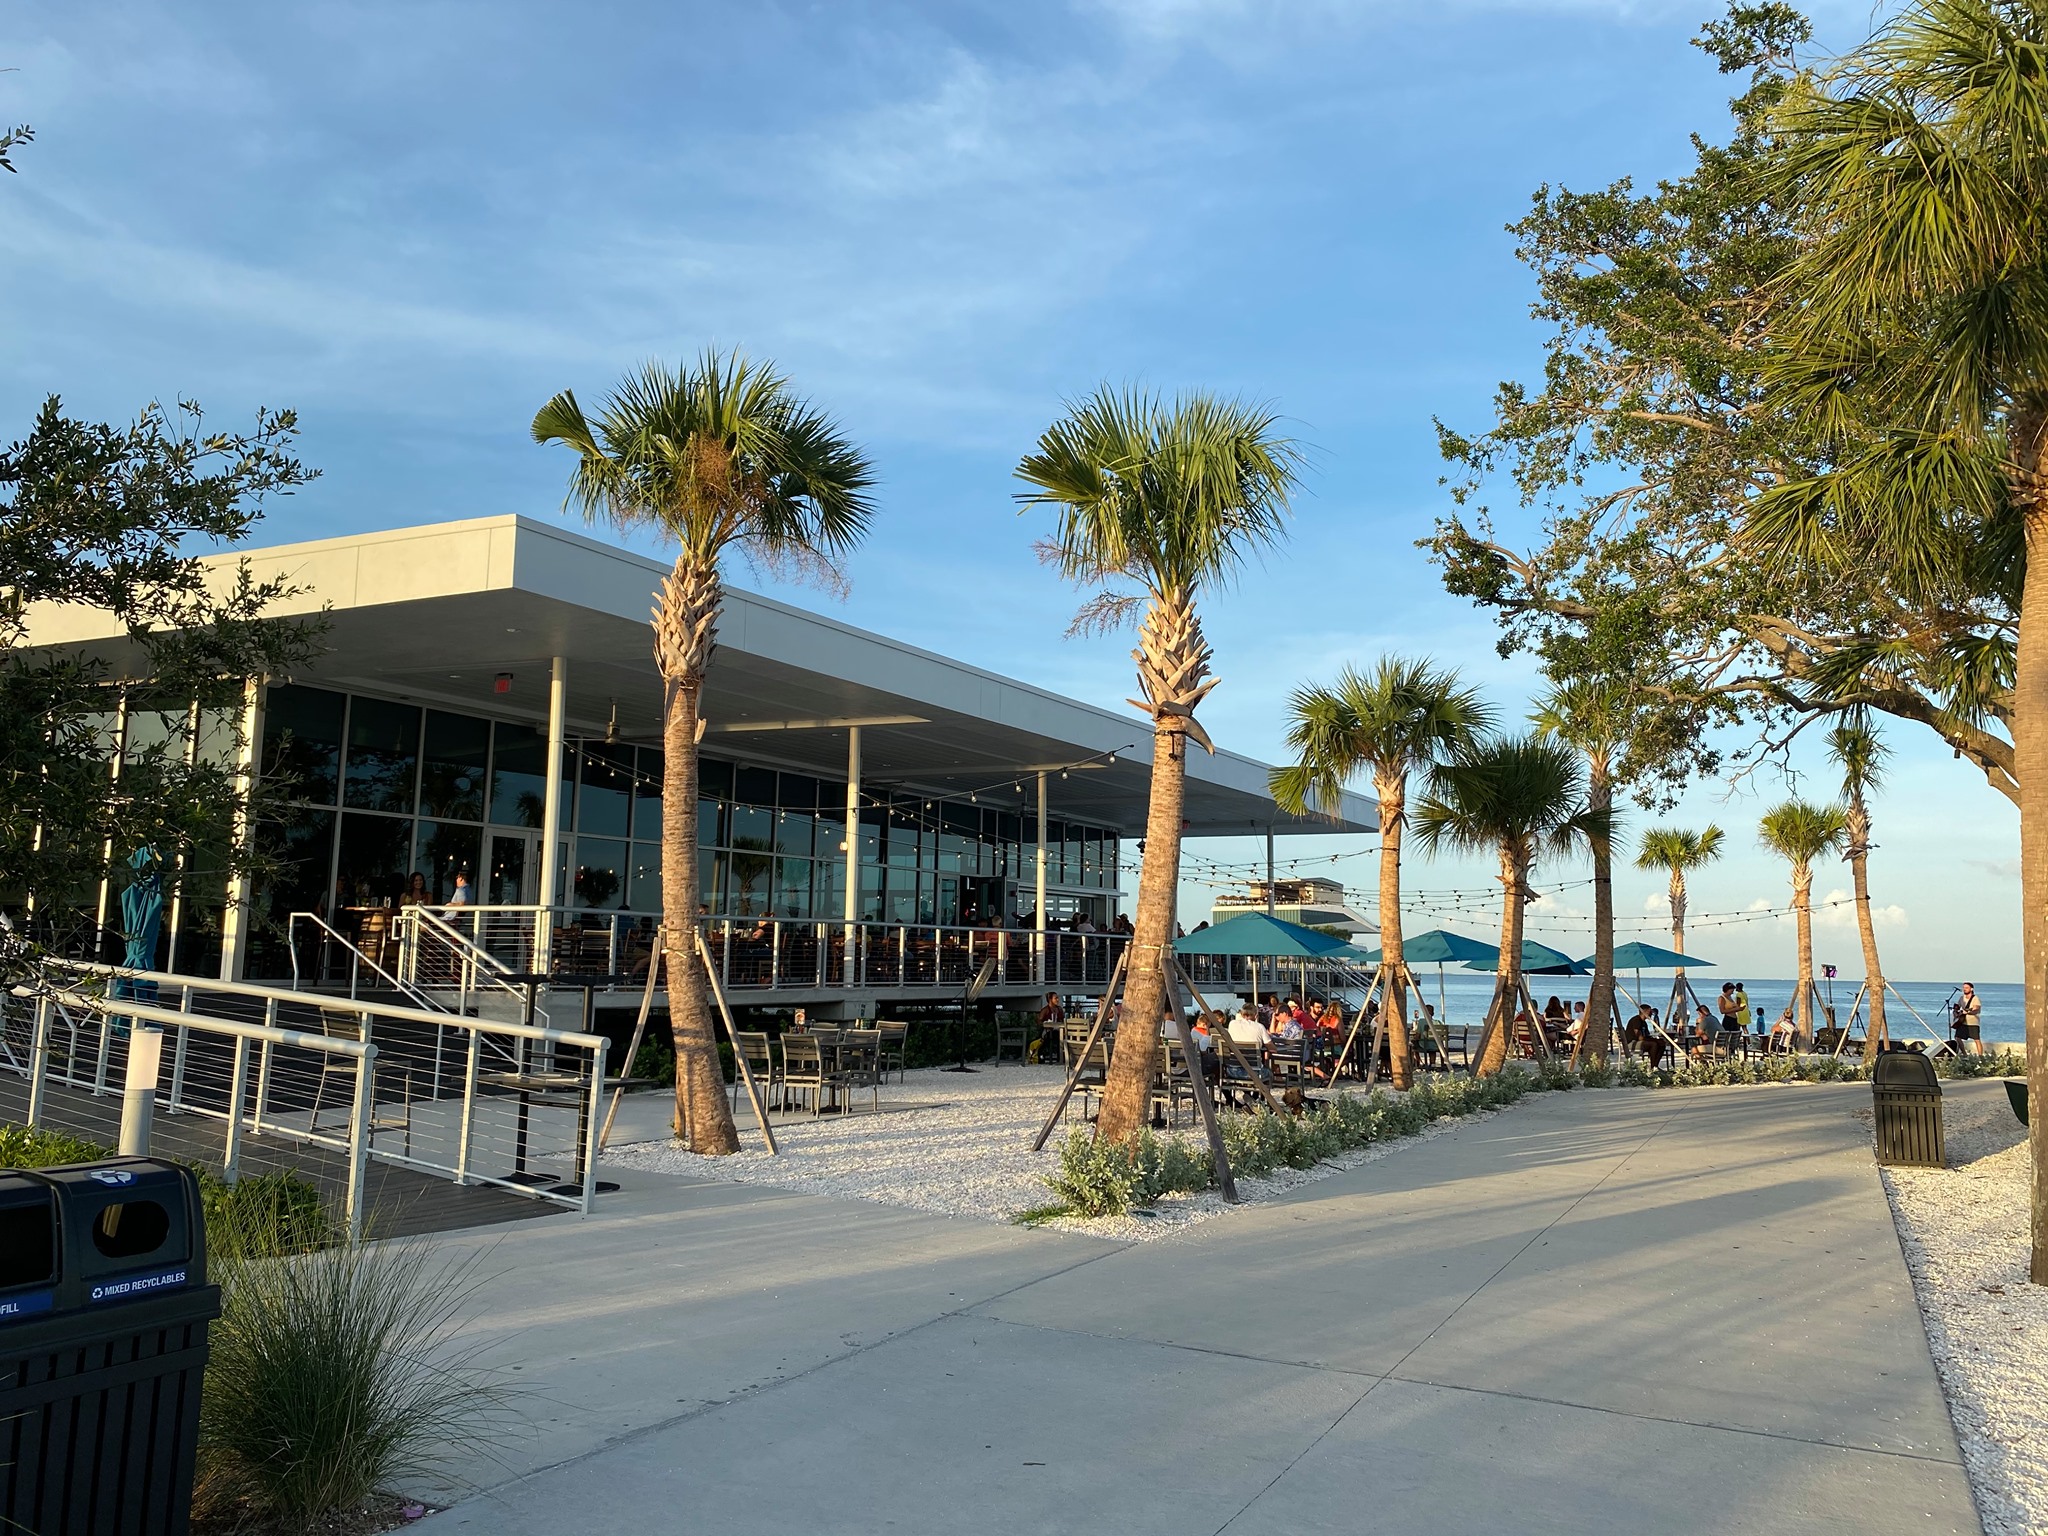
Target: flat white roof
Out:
[437,612]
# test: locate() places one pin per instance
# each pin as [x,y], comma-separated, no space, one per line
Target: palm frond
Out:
[1800,832]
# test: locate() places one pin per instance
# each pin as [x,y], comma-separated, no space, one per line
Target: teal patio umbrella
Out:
[1537,960]
[142,923]
[1256,936]
[1441,946]
[1639,957]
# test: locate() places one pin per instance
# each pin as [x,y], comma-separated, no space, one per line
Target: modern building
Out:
[486,704]
[1313,902]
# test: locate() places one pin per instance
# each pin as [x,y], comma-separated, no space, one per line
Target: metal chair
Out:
[806,1072]
[860,1062]
[340,1024]
[759,1052]
[895,1047]
[1013,1029]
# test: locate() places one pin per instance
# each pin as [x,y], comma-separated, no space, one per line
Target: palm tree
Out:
[1168,498]
[1678,850]
[1401,716]
[1860,755]
[1517,797]
[717,457]
[1799,833]
[1595,715]
[1918,168]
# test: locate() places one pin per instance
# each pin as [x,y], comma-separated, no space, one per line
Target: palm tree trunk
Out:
[1599,1028]
[684,622]
[1678,913]
[1507,991]
[1859,871]
[1392,789]
[2027,431]
[1172,661]
[1802,999]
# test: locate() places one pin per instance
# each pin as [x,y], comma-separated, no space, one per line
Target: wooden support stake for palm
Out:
[1228,1044]
[654,963]
[1200,1084]
[1080,1062]
[1378,975]
[731,1033]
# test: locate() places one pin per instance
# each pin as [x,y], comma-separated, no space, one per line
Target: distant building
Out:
[1313,903]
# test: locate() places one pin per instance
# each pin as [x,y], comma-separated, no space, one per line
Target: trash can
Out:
[1907,1098]
[104,1309]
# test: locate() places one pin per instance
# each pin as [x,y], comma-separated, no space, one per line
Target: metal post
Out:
[469,1071]
[234,937]
[231,1155]
[590,1128]
[99,1070]
[1038,920]
[551,813]
[1269,871]
[851,906]
[138,1091]
[39,1061]
[263,1068]
[359,1137]
[178,1056]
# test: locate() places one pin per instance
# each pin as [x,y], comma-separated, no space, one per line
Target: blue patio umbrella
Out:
[142,923]
[1537,960]
[1441,946]
[1256,936]
[1639,957]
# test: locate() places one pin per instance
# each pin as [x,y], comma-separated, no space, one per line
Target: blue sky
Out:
[414,222]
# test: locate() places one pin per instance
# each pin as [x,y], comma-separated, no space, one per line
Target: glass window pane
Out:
[302,742]
[519,765]
[792,887]
[793,833]
[303,848]
[383,755]
[712,830]
[747,875]
[903,842]
[871,905]
[711,877]
[754,785]
[714,779]
[751,826]
[452,767]
[900,905]
[604,802]
[796,792]
[373,859]
[600,879]
[647,797]
[442,851]
[643,883]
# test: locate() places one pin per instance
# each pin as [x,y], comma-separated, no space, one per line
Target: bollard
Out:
[138,1094]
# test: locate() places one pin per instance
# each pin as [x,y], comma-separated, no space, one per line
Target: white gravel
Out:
[1964,1231]
[960,1145]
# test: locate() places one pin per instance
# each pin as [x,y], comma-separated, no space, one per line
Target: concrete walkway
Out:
[1616,1311]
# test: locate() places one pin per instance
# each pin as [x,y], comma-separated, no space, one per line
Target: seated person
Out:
[1050,1017]
[1286,1024]
[1246,1030]
[1785,1029]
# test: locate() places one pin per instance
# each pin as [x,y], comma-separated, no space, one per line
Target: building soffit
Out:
[438,613]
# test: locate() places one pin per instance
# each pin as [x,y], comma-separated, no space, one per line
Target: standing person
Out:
[1741,1007]
[1966,1020]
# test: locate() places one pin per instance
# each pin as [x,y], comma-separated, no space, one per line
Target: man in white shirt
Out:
[1246,1029]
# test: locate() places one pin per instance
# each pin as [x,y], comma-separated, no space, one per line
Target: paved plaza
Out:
[1600,1311]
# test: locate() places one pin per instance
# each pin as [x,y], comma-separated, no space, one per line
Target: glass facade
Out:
[382,793]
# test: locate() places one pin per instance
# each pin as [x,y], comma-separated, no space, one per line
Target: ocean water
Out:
[1466,994]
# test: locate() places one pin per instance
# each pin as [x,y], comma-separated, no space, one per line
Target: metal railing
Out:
[435,957]
[772,953]
[475,1100]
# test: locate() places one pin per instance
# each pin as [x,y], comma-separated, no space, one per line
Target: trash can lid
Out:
[1903,1069]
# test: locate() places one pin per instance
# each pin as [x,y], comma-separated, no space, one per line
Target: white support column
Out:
[1269,871]
[1038,940]
[107,896]
[551,811]
[850,967]
[234,930]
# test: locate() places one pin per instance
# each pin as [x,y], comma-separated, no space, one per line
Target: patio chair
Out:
[760,1055]
[1170,1085]
[1073,1040]
[1014,1029]
[1284,1058]
[895,1047]
[806,1073]
[860,1062]
[344,1024]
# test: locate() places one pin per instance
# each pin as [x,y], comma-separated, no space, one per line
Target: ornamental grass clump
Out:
[334,1369]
